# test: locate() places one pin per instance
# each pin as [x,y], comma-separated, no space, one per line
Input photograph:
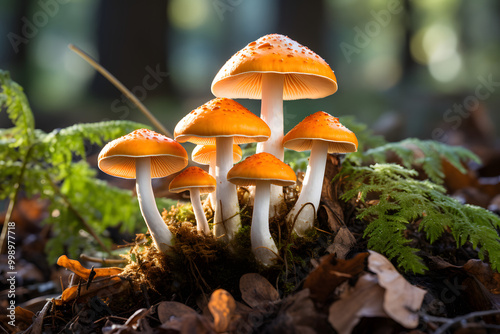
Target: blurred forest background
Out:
[426,68]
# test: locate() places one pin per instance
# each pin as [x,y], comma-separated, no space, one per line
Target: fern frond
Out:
[16,104]
[404,200]
[56,170]
[429,155]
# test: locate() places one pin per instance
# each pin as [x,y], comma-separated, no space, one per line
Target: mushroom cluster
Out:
[273,68]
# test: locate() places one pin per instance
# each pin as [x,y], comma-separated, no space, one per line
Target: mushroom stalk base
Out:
[227,208]
[160,233]
[199,214]
[311,190]
[263,245]
[272,113]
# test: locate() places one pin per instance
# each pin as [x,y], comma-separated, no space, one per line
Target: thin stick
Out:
[102,261]
[122,89]
[450,322]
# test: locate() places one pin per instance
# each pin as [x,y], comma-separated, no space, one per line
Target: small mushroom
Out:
[223,122]
[143,155]
[262,170]
[274,68]
[205,155]
[322,134]
[196,181]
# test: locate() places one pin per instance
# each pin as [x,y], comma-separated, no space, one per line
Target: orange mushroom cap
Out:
[221,117]
[193,177]
[321,126]
[307,75]
[118,157]
[201,153]
[261,167]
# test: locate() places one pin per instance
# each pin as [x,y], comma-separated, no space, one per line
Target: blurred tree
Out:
[131,40]
[303,22]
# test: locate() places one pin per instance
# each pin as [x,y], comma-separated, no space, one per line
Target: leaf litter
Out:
[329,283]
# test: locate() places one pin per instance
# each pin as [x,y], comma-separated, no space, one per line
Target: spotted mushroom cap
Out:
[202,153]
[193,177]
[321,126]
[261,167]
[118,157]
[221,117]
[307,75]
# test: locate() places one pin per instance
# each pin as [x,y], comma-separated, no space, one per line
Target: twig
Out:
[451,322]
[12,202]
[36,327]
[77,214]
[102,261]
[122,89]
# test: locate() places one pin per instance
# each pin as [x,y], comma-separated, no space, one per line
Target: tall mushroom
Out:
[205,155]
[262,170]
[223,121]
[196,181]
[274,68]
[322,134]
[143,155]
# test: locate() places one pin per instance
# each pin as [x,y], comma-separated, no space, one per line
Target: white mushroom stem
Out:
[227,217]
[199,214]
[271,112]
[263,245]
[311,189]
[211,170]
[160,233]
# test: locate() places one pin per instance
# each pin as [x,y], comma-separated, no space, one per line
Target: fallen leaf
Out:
[401,299]
[133,320]
[483,272]
[255,290]
[24,315]
[332,272]
[168,311]
[222,306]
[83,272]
[342,244]
[196,324]
[364,300]
[299,307]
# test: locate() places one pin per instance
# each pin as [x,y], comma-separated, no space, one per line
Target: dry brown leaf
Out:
[196,324]
[133,320]
[169,311]
[222,306]
[255,290]
[83,272]
[364,300]
[330,273]
[401,299]
[342,244]
[483,272]
[23,315]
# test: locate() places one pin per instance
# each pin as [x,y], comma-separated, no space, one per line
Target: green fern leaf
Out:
[404,200]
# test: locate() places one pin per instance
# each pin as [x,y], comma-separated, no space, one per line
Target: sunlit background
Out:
[422,68]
